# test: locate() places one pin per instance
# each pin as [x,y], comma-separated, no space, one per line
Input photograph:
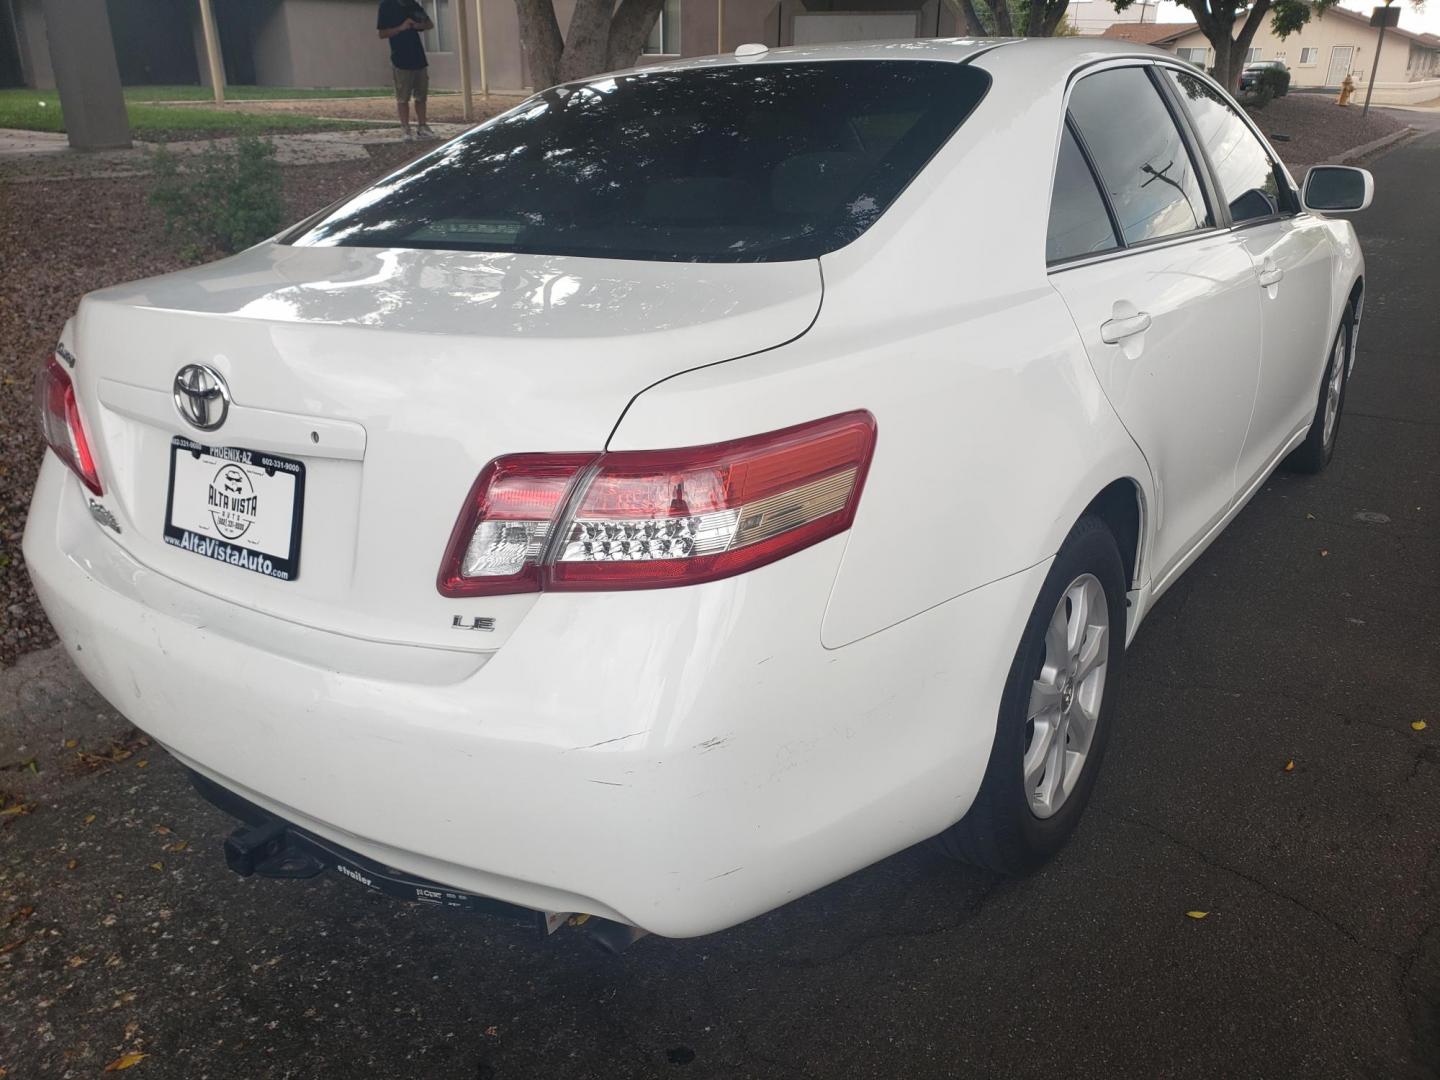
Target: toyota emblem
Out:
[201,396]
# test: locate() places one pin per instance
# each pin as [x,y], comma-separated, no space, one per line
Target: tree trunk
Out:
[601,37]
[1001,10]
[1242,43]
[1221,68]
[634,19]
[587,42]
[540,41]
[967,19]
[1045,16]
[1230,48]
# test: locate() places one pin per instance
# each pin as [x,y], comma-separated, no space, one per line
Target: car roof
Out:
[1075,50]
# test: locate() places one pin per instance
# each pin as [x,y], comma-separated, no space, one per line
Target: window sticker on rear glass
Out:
[500,231]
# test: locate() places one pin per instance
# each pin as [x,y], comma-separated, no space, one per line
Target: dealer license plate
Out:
[236,506]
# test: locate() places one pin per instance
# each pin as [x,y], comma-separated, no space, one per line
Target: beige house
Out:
[332,42]
[1330,46]
[1094,17]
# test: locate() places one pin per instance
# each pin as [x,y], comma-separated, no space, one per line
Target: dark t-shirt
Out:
[405,49]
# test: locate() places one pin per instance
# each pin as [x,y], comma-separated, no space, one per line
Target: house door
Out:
[1340,59]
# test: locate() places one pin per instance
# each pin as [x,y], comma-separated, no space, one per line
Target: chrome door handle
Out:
[1270,275]
[1114,331]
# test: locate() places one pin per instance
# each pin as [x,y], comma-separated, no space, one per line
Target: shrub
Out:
[219,201]
[1277,79]
[1259,97]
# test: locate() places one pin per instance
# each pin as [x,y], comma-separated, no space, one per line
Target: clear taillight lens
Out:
[649,519]
[60,422]
[498,542]
[676,517]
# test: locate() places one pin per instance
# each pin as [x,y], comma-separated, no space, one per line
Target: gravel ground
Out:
[1317,129]
[96,233]
[100,232]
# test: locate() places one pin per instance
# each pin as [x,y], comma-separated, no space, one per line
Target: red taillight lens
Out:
[677,517]
[650,519]
[60,422]
[497,543]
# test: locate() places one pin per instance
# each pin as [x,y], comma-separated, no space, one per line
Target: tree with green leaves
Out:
[1230,26]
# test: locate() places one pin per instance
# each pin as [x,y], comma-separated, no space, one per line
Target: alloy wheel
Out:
[1333,388]
[1066,697]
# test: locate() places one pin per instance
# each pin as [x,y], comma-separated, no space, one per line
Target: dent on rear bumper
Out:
[680,759]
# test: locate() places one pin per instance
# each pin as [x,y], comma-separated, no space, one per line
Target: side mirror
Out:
[1337,189]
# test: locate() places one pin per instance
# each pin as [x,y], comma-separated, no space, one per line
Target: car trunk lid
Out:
[391,377]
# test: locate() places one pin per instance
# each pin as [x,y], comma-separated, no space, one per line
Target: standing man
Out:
[401,22]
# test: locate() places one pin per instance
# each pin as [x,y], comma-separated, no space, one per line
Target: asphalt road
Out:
[1309,633]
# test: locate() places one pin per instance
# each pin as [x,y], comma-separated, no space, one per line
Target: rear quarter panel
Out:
[993,433]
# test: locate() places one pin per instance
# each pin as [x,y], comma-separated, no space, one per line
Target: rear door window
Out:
[1139,153]
[1249,179]
[733,163]
[1079,222]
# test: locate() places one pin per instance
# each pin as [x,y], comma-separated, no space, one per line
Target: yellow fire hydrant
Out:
[1347,89]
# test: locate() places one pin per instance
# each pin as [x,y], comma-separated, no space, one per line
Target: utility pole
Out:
[480,42]
[212,51]
[462,23]
[1381,17]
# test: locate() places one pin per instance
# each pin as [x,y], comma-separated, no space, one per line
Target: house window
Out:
[1193,56]
[664,39]
[1308,56]
[438,40]
[1252,55]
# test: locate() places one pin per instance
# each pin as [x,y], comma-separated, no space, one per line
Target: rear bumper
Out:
[679,759]
[272,847]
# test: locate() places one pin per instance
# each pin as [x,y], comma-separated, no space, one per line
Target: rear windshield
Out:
[727,164]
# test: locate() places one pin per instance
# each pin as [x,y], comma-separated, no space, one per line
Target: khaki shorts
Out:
[411,82]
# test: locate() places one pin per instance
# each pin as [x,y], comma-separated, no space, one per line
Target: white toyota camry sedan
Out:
[698,482]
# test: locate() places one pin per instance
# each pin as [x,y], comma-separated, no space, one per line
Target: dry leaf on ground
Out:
[13,945]
[125,1061]
[20,913]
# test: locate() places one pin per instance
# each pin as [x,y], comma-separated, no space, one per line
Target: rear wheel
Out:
[1055,713]
[1315,452]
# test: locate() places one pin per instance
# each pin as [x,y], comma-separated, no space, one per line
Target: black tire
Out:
[1001,831]
[1312,455]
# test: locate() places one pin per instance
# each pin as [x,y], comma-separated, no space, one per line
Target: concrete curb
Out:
[1357,152]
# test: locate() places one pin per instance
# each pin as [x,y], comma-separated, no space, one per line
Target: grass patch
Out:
[39,110]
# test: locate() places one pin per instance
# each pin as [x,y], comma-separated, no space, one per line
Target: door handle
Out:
[1270,274]
[1123,325]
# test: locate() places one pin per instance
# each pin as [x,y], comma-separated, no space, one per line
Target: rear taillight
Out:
[650,519]
[60,422]
[498,542]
